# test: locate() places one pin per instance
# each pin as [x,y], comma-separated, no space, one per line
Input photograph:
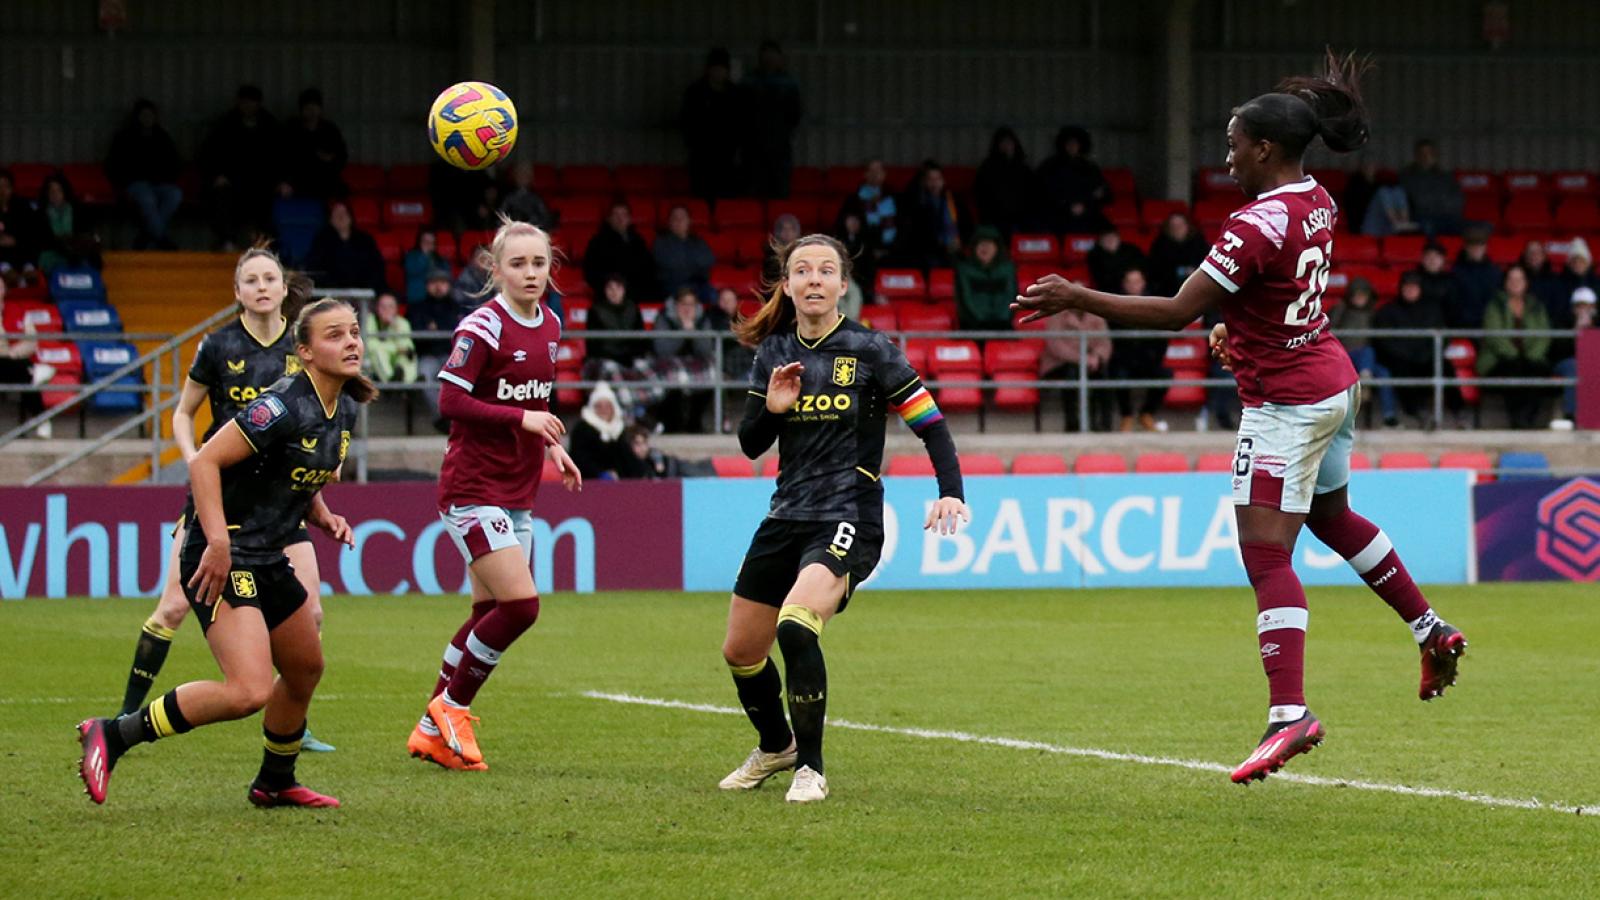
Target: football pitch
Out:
[1010,743]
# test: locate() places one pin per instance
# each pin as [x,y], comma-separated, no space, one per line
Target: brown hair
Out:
[297,285]
[510,228]
[360,388]
[778,310]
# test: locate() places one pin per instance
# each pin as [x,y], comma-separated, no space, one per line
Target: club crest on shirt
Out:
[235,367]
[555,350]
[244,584]
[844,370]
[458,355]
[291,365]
[264,411]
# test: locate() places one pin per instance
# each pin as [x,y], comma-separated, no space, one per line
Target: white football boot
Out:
[809,786]
[758,767]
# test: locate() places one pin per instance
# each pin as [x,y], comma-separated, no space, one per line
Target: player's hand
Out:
[212,572]
[336,527]
[1219,347]
[571,478]
[543,423]
[942,515]
[1046,297]
[783,388]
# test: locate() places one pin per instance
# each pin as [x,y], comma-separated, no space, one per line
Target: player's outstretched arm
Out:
[1052,294]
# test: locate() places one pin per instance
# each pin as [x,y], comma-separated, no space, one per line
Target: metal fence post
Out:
[1083,382]
[1438,380]
[716,390]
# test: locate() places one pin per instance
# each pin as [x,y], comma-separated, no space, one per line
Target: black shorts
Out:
[781,548]
[270,587]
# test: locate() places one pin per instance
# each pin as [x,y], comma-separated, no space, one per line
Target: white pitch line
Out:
[1114,756]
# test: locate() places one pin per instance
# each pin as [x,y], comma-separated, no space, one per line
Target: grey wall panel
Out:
[1414,26]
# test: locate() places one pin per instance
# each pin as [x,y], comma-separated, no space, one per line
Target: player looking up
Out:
[1299,391]
[252,486]
[820,387]
[497,386]
[233,366]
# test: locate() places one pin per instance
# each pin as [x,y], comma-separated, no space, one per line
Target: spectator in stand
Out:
[143,165]
[456,195]
[1389,211]
[1435,197]
[17,367]
[785,231]
[420,261]
[344,256]
[932,224]
[436,311]
[875,203]
[1515,308]
[522,203]
[1579,271]
[1111,259]
[470,289]
[1359,189]
[986,283]
[1478,279]
[772,113]
[1546,284]
[618,249]
[615,311]
[314,152]
[1359,312]
[685,351]
[1064,358]
[21,232]
[1410,357]
[712,118]
[392,355]
[1438,283]
[66,238]
[595,445]
[484,215]
[642,461]
[1176,252]
[1071,186]
[736,357]
[1583,316]
[852,233]
[1139,359]
[241,162]
[683,258]
[1005,186]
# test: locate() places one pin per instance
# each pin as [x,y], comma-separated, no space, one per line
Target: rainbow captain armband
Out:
[917,409]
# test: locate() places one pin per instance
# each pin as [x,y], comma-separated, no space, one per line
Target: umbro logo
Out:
[1269,650]
[519,356]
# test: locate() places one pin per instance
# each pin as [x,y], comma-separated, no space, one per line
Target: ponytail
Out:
[778,312]
[359,387]
[1335,99]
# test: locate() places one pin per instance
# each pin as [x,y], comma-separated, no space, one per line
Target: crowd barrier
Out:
[1027,532]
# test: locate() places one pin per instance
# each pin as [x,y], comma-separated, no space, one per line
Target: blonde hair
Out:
[778,311]
[510,228]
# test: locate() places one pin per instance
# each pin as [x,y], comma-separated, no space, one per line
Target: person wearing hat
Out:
[1477,280]
[1578,272]
[1512,355]
[986,282]
[1409,357]
[436,311]
[1583,316]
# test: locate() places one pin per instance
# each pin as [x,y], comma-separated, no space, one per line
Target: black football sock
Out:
[162,718]
[278,757]
[149,655]
[808,683]
[761,694]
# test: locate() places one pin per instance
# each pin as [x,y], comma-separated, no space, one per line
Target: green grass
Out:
[592,798]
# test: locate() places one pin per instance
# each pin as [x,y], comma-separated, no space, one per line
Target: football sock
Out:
[490,638]
[278,756]
[761,694]
[1369,552]
[160,719]
[452,658]
[155,639]
[798,632]
[1281,624]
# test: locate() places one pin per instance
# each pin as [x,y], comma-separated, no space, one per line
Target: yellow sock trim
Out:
[159,631]
[158,718]
[288,748]
[749,671]
[800,615]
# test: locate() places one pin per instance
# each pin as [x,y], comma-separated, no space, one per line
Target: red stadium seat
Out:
[64,355]
[915,316]
[1153,463]
[812,215]
[650,312]
[982,464]
[1479,182]
[724,245]
[1075,248]
[53,399]
[1505,249]
[749,246]
[1035,248]
[392,245]
[1525,182]
[648,181]
[1569,184]
[1527,212]
[1482,208]
[748,306]
[898,179]
[1462,355]
[41,314]
[961,179]
[1333,180]
[733,467]
[28,178]
[580,215]
[1154,213]
[742,279]
[1122,183]
[739,214]
[699,212]
[910,464]
[769,466]
[956,361]
[1357,248]
[363,178]
[1214,462]
[1401,249]
[896,283]
[1014,392]
[587,180]
[1038,464]
[807,181]
[90,183]
[1012,356]
[1122,212]
[647,216]
[880,316]
[1027,275]
[1404,459]
[1185,396]
[917,354]
[406,180]
[1359,460]
[1100,464]
[1214,181]
[577,311]
[366,210]
[407,212]
[1476,460]
[941,284]
[1578,213]
[843,181]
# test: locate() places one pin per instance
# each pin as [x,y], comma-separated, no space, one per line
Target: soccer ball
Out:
[472,125]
